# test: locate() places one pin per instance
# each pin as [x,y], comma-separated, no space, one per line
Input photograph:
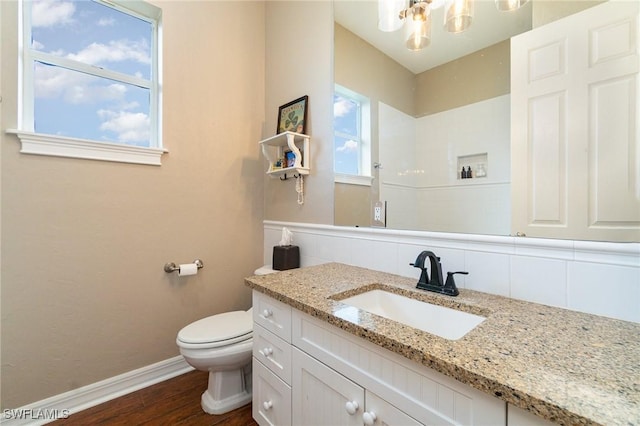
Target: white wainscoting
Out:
[594,277]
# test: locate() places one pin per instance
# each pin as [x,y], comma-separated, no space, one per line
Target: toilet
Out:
[222,345]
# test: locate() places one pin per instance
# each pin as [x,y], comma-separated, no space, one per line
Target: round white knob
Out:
[267,405]
[267,313]
[352,407]
[267,351]
[369,418]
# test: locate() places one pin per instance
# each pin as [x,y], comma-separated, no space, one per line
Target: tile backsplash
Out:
[594,277]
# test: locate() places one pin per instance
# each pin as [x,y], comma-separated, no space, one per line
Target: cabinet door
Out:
[323,397]
[575,162]
[382,413]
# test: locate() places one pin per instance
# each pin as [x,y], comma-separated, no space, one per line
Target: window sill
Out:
[353,179]
[57,146]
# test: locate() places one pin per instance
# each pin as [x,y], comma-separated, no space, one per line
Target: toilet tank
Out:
[264,270]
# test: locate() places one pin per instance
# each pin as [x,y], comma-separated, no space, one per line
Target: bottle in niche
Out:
[469,173]
[463,173]
[480,171]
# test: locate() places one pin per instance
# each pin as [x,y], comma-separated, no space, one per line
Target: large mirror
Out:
[432,113]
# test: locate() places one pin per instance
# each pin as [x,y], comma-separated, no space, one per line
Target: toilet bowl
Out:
[222,345]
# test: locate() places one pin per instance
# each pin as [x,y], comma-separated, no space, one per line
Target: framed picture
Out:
[293,116]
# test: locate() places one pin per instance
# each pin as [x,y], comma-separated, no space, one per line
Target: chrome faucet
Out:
[435,283]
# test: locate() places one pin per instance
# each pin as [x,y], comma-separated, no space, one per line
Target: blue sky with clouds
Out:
[75,104]
[345,121]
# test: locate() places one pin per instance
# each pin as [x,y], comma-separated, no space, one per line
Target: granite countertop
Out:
[565,366]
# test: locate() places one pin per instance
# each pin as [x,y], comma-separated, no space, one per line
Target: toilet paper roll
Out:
[187,269]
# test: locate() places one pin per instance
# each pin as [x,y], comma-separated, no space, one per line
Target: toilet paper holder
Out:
[172,267]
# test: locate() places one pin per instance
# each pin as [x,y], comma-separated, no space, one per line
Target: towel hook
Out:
[296,176]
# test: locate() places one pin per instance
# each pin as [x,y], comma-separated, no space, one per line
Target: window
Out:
[90,83]
[352,135]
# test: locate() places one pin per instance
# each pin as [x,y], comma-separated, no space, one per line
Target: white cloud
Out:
[129,126]
[49,13]
[341,108]
[74,87]
[348,146]
[130,105]
[115,51]
[106,22]
[86,93]
[51,82]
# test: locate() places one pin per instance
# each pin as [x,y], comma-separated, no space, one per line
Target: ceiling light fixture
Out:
[458,15]
[388,15]
[415,15]
[417,25]
[509,5]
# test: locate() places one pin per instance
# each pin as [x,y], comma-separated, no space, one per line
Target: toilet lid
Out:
[226,326]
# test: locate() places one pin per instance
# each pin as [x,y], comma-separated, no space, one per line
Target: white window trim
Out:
[353,179]
[58,146]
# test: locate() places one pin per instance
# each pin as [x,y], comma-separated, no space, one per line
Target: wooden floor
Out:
[173,402]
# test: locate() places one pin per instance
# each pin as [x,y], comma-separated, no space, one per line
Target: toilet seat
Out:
[217,330]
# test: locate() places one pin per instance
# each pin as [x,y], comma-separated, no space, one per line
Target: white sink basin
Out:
[439,320]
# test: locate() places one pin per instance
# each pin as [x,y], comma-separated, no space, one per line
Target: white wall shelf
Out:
[276,148]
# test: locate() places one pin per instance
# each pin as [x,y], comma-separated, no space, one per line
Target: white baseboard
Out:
[48,410]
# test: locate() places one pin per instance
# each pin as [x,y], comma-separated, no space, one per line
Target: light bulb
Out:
[418,30]
[509,5]
[458,15]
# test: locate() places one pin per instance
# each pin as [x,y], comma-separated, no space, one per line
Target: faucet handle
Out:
[450,284]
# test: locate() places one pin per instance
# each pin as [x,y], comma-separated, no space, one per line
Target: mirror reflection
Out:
[435,123]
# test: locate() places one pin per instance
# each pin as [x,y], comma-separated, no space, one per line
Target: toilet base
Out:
[227,390]
[212,406]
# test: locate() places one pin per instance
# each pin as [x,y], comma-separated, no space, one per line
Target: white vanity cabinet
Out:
[313,373]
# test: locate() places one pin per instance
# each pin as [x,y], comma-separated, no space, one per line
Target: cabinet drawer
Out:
[271,398]
[273,352]
[273,315]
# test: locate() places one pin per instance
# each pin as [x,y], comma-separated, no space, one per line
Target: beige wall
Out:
[299,52]
[353,205]
[476,77]
[84,295]
[364,69]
